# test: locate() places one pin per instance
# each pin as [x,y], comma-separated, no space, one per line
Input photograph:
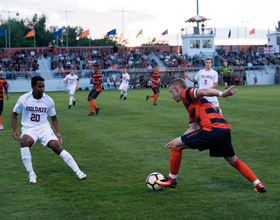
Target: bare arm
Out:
[190,78]
[64,82]
[193,127]
[14,124]
[210,92]
[214,86]
[78,81]
[56,127]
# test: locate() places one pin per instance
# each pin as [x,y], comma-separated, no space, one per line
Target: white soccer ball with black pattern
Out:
[151,181]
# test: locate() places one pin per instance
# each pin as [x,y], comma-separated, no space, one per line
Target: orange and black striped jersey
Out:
[3,84]
[155,76]
[97,78]
[203,112]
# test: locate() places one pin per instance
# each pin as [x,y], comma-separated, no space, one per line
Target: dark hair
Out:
[95,65]
[209,59]
[35,79]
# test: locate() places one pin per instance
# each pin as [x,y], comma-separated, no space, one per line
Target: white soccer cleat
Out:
[1,127]
[32,178]
[81,175]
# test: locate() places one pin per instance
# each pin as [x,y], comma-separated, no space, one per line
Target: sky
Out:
[154,17]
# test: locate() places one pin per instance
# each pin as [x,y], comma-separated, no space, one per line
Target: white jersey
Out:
[206,79]
[35,111]
[125,77]
[71,80]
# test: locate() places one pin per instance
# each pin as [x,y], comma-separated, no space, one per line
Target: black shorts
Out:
[219,143]
[244,77]
[226,80]
[1,106]
[155,90]
[93,94]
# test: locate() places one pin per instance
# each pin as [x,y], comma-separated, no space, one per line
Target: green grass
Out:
[121,146]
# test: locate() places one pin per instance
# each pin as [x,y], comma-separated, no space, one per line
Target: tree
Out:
[155,42]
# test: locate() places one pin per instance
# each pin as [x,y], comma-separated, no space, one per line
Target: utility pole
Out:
[123,26]
[66,30]
[9,26]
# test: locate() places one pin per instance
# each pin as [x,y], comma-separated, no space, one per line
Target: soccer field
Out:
[121,146]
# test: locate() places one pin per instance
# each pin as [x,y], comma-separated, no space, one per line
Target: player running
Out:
[125,84]
[155,78]
[3,84]
[71,81]
[96,90]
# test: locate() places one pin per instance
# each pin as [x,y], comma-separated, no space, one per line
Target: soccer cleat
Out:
[166,182]
[32,178]
[69,107]
[260,188]
[147,97]
[121,96]
[74,103]
[97,111]
[91,113]
[124,98]
[81,175]
[1,127]
[155,104]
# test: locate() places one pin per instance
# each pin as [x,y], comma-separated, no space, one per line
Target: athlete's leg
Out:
[69,160]
[245,171]
[26,142]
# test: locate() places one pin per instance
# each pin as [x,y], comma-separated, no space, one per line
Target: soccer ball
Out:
[151,181]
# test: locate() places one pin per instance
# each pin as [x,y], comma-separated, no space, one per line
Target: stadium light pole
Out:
[123,26]
[66,30]
[9,26]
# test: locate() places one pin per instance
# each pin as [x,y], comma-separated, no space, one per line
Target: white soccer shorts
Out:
[44,135]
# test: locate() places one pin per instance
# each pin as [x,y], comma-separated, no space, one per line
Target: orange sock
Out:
[92,105]
[151,96]
[175,163]
[0,119]
[155,99]
[244,170]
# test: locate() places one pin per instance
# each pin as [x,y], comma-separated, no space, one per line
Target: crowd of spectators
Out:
[20,64]
[61,63]
[172,60]
[248,58]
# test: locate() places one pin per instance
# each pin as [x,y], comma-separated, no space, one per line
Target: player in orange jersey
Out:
[155,78]
[96,90]
[214,132]
[3,84]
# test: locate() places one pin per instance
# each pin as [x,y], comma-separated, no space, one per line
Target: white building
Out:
[197,40]
[273,39]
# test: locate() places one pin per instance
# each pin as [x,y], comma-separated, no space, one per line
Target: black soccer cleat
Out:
[97,111]
[121,96]
[91,113]
[124,98]
[74,103]
[69,107]
[147,97]
[261,190]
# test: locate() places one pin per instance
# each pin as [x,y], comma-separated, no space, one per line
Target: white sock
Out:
[69,160]
[125,94]
[220,111]
[120,92]
[70,100]
[256,182]
[26,159]
[73,98]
